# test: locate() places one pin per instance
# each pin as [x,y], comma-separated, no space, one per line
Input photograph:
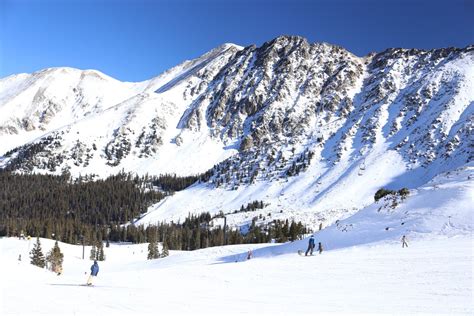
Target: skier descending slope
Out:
[94,271]
[310,246]
[404,242]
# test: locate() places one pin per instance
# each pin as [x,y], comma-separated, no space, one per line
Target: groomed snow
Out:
[431,276]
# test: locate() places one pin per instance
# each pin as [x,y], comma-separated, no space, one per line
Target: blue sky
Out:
[134,40]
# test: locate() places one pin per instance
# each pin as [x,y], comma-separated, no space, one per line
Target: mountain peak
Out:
[226,46]
[285,110]
[285,41]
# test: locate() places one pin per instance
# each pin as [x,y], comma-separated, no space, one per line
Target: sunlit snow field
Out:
[431,276]
[363,268]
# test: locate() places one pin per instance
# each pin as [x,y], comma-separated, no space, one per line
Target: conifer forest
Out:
[89,211]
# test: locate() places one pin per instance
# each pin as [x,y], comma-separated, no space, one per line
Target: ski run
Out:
[363,268]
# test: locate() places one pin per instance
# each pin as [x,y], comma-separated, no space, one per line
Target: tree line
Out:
[173,183]
[73,210]
[80,210]
[198,231]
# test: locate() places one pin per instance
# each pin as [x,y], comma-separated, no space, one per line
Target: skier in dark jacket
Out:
[94,271]
[320,248]
[404,242]
[310,246]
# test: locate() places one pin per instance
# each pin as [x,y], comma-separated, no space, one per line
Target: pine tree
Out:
[152,249]
[93,255]
[293,231]
[165,250]
[153,252]
[196,239]
[55,258]
[100,251]
[37,257]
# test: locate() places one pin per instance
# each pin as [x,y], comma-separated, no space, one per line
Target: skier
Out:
[310,246]
[249,254]
[404,242]
[320,248]
[94,271]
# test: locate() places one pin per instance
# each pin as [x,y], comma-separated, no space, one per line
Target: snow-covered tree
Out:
[55,258]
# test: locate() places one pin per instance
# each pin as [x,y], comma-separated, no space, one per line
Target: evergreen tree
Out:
[165,250]
[37,257]
[55,258]
[153,252]
[152,235]
[100,252]
[196,239]
[293,231]
[93,255]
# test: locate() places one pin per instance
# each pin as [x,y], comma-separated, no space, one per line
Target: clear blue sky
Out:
[134,40]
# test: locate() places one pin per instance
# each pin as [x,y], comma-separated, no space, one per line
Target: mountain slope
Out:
[310,129]
[132,127]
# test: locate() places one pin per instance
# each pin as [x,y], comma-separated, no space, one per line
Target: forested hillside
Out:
[80,210]
[40,205]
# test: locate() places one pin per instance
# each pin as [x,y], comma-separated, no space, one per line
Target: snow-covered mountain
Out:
[309,129]
[85,122]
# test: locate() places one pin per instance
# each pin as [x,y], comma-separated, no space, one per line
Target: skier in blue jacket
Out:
[310,246]
[94,271]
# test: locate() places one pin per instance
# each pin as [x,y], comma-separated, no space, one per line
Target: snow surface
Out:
[363,268]
[446,198]
[431,276]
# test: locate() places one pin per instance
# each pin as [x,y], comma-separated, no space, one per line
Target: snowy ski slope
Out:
[362,270]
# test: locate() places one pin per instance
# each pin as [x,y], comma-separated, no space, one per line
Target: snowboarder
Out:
[310,246]
[320,248]
[94,271]
[19,257]
[404,242]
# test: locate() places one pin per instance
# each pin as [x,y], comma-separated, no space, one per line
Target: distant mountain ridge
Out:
[288,110]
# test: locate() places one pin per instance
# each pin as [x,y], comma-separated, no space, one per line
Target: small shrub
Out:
[381,193]
[404,192]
